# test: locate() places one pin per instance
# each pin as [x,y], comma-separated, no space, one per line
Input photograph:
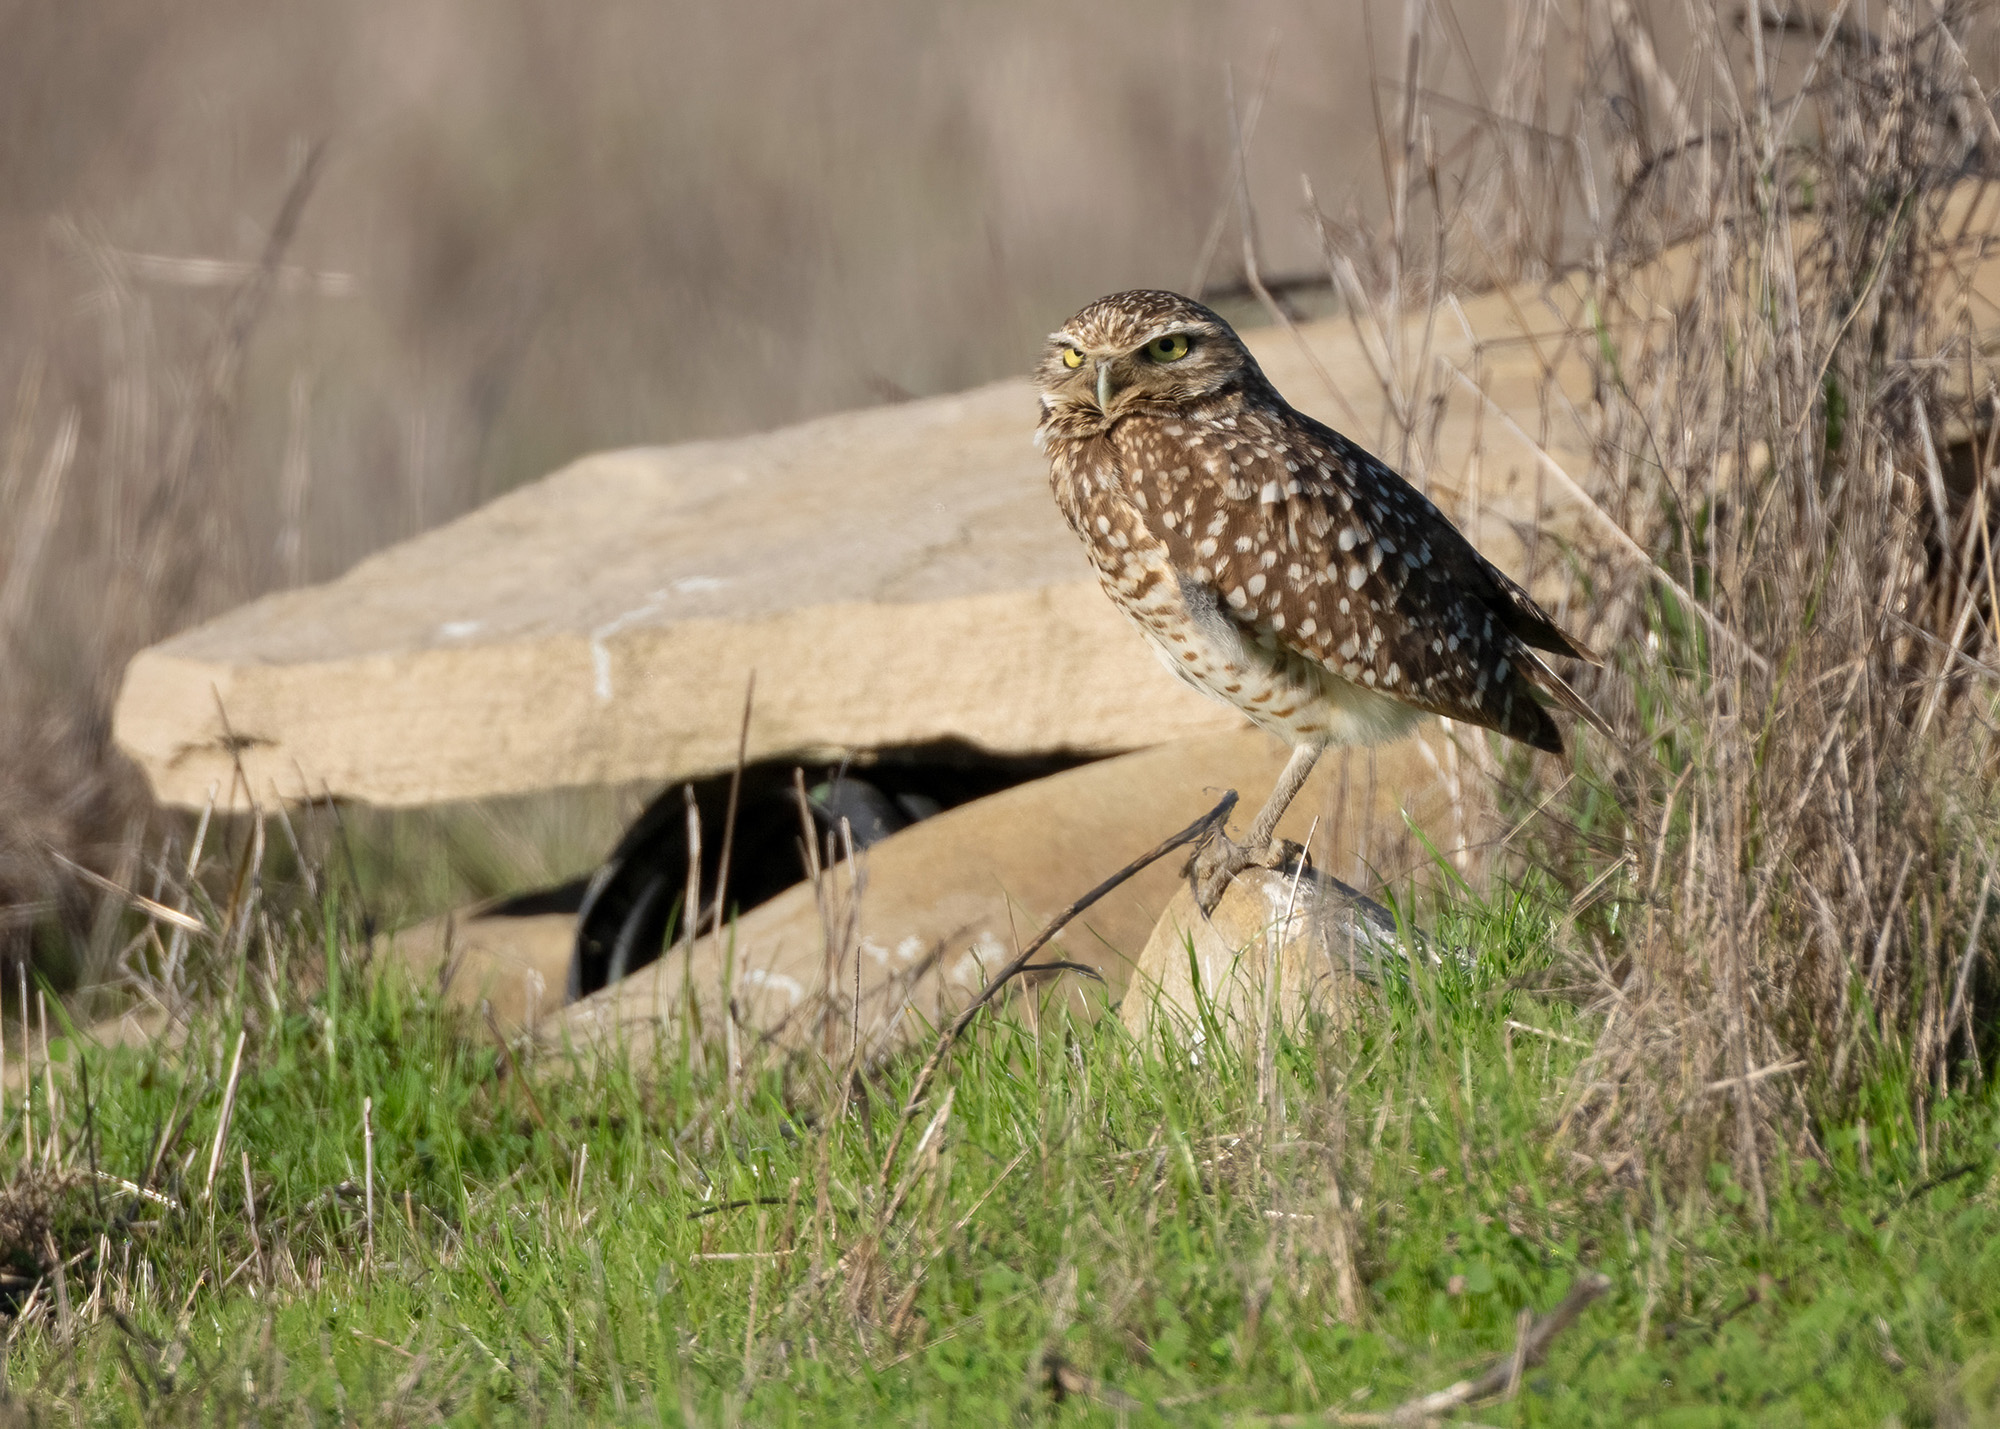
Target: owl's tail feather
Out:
[1558,689]
[1532,625]
[1558,641]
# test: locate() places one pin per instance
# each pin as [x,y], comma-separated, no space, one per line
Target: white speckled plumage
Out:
[1271,562]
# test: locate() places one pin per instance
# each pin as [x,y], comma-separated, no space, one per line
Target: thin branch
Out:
[1527,1353]
[1501,1377]
[1213,819]
[729,812]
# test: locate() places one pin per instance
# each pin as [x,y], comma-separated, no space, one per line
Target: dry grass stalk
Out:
[222,1122]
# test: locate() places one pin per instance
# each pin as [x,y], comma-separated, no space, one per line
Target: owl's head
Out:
[1138,350]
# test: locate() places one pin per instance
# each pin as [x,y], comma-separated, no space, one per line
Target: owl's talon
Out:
[1218,861]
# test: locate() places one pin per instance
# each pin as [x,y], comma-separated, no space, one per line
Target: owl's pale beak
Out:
[1104,386]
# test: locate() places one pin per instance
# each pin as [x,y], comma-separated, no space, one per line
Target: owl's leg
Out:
[1222,859]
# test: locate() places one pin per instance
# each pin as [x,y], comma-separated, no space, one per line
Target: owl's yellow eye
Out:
[1171,348]
[1072,357]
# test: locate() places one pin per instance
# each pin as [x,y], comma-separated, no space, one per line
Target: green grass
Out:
[545,1241]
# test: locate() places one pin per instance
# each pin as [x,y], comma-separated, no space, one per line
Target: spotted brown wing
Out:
[1311,542]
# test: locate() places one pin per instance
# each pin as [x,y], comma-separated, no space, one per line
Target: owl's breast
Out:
[1096,499]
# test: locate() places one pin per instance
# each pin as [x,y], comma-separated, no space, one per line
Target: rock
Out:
[1198,975]
[896,577]
[945,902]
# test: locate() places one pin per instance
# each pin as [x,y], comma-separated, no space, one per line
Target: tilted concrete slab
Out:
[945,902]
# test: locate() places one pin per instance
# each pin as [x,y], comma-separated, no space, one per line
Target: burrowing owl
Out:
[1271,562]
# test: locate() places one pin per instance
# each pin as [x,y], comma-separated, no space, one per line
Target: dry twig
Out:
[1501,1377]
[1022,961]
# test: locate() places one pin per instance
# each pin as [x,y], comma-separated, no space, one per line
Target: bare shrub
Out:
[1804,442]
[163,555]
